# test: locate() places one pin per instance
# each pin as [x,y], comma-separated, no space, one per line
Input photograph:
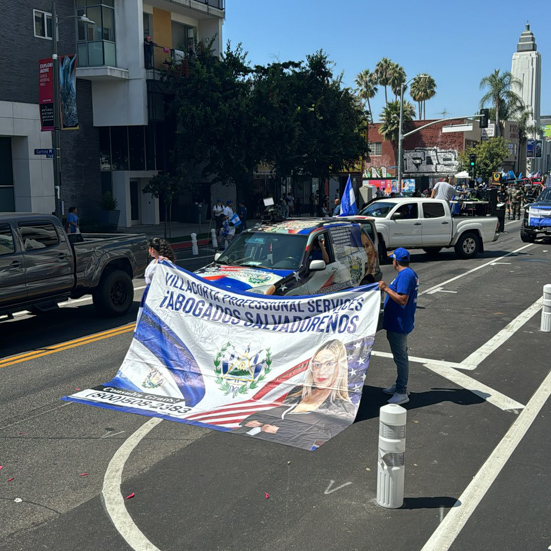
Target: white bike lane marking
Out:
[112,497]
[448,530]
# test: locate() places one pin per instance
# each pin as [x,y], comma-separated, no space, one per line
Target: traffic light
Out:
[484,118]
[472,164]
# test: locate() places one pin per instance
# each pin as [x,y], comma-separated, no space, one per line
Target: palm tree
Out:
[383,70]
[397,78]
[504,100]
[366,88]
[390,117]
[423,87]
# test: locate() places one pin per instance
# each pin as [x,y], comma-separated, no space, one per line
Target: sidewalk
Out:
[180,232]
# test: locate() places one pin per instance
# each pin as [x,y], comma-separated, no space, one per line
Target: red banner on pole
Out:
[46,94]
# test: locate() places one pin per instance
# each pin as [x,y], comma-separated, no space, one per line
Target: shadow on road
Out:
[373,399]
[429,502]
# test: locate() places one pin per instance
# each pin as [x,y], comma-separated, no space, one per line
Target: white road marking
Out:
[485,392]
[500,263]
[478,356]
[446,533]
[112,497]
[329,491]
[109,434]
[440,285]
[416,359]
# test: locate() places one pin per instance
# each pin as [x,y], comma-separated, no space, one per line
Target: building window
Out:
[376,148]
[96,42]
[42,24]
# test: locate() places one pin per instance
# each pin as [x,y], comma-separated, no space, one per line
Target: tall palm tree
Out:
[397,78]
[423,87]
[499,94]
[366,88]
[390,117]
[383,70]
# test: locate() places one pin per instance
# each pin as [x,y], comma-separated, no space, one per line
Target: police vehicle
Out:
[537,217]
[304,256]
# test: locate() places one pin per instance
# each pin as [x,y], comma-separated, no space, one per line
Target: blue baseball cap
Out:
[400,254]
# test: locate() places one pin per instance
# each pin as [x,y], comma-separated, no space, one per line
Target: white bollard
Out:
[392,446]
[194,246]
[214,240]
[546,309]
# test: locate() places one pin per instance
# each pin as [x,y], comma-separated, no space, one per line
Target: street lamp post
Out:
[56,137]
[400,132]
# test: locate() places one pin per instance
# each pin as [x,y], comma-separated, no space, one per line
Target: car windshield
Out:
[378,209]
[265,250]
[545,195]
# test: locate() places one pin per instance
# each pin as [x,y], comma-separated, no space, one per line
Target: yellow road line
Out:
[66,345]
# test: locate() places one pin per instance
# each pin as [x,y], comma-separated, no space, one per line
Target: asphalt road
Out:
[477,469]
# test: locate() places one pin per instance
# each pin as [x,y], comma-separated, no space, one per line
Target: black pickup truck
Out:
[41,265]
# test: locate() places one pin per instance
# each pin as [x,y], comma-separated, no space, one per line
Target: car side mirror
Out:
[317,265]
[396,216]
[217,256]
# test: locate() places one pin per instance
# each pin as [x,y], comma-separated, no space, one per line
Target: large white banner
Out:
[286,370]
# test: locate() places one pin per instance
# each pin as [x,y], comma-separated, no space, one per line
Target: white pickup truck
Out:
[422,223]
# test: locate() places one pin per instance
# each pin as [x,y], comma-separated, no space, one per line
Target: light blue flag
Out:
[348,201]
[235,220]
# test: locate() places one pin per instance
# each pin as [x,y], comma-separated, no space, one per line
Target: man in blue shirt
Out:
[72,221]
[398,319]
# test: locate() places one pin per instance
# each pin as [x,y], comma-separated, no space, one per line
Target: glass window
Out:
[433,210]
[378,209]
[104,149]
[136,142]
[99,36]
[42,24]
[150,147]
[38,235]
[6,240]
[408,211]
[376,148]
[119,147]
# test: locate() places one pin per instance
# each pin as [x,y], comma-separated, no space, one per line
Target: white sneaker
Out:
[399,399]
[392,390]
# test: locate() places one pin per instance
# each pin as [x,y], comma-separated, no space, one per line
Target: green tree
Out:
[383,71]
[166,187]
[490,155]
[422,88]
[503,100]
[366,88]
[390,117]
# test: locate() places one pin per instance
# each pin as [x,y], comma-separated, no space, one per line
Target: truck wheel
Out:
[383,253]
[468,245]
[114,294]
[432,251]
[526,236]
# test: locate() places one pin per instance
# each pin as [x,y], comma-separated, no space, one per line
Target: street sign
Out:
[48,152]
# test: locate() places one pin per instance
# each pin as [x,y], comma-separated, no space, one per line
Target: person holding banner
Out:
[158,249]
[314,412]
[398,318]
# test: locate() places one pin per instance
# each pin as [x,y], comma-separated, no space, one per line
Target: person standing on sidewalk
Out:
[398,320]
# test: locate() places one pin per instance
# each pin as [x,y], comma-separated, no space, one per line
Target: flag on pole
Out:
[348,201]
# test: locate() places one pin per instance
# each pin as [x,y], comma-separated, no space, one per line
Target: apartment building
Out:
[123,136]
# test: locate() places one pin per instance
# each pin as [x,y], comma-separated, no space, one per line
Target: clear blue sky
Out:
[458,43]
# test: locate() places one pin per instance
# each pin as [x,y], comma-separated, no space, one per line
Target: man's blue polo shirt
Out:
[396,318]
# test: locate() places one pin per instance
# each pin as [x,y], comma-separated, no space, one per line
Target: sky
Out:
[457,43]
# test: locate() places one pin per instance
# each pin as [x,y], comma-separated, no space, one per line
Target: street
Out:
[477,469]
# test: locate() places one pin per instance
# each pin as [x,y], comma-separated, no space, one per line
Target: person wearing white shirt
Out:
[228,209]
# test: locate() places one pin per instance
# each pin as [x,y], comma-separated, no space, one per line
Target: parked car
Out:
[428,224]
[40,265]
[537,218]
[284,258]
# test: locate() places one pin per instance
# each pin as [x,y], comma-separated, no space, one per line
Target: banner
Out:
[46,94]
[68,91]
[540,216]
[285,370]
